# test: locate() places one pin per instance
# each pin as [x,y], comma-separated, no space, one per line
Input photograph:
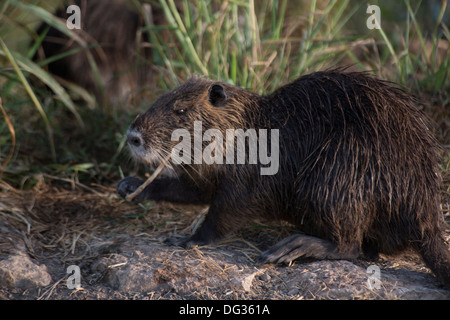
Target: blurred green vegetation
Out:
[57,130]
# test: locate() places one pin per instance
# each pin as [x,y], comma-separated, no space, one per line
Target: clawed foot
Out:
[129,185]
[184,242]
[300,245]
[179,242]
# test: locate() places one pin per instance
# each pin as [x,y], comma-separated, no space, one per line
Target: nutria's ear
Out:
[217,95]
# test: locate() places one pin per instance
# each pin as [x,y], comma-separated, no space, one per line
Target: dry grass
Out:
[59,225]
[73,223]
[65,222]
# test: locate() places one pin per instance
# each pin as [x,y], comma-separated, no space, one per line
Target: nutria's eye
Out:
[179,109]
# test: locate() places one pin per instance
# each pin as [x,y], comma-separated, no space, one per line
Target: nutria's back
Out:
[360,144]
[357,165]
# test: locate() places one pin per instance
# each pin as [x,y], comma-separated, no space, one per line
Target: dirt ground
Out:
[119,250]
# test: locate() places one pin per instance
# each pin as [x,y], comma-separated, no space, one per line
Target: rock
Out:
[125,274]
[18,271]
[245,281]
[265,277]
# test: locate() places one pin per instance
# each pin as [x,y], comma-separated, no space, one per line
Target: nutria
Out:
[111,30]
[358,169]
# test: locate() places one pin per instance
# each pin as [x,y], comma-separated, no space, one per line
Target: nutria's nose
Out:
[134,139]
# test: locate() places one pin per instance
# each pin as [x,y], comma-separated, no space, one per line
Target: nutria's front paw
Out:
[184,242]
[129,185]
[180,242]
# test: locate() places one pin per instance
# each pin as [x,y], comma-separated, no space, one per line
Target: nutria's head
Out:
[217,105]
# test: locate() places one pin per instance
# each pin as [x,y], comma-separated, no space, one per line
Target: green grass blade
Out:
[174,19]
[27,65]
[33,97]
[48,18]
[59,25]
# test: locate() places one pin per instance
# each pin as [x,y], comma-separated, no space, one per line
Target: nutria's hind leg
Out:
[301,245]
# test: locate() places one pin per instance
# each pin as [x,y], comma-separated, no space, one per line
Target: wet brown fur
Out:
[358,167]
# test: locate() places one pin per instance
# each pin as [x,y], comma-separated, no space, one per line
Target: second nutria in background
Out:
[113,62]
